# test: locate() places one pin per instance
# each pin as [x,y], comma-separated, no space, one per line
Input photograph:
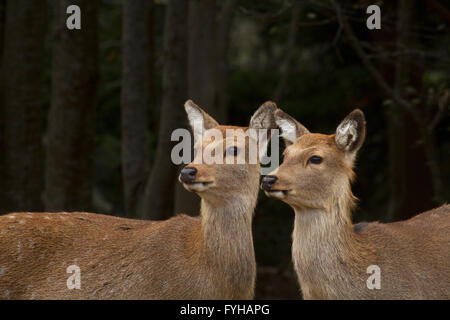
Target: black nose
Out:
[268,182]
[188,174]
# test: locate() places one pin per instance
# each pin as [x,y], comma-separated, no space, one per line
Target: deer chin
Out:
[278,194]
[198,186]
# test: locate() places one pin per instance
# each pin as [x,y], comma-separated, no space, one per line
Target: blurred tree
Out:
[209,36]
[201,79]
[409,194]
[70,142]
[223,36]
[2,118]
[2,25]
[135,101]
[411,165]
[23,113]
[159,191]
[290,49]
[202,59]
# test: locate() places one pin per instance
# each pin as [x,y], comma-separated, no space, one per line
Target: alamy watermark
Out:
[74,20]
[374,281]
[374,20]
[74,281]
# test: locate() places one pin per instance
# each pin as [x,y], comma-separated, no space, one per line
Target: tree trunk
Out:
[135,102]
[410,182]
[160,185]
[395,117]
[410,185]
[70,141]
[2,26]
[207,70]
[224,23]
[2,117]
[290,49]
[23,112]
[202,60]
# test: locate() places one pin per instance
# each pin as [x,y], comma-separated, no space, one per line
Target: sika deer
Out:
[205,257]
[331,256]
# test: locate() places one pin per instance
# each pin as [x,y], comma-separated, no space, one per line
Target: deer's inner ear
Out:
[351,132]
[199,120]
[288,131]
[291,129]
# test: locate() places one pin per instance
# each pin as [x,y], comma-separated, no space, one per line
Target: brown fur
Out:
[331,255]
[206,257]
[119,258]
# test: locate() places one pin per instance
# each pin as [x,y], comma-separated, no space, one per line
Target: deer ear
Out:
[351,132]
[291,129]
[199,120]
[263,119]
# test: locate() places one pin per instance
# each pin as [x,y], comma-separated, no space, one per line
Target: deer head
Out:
[226,162]
[317,168]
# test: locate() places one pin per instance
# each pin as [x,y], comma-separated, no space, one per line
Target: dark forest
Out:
[86,115]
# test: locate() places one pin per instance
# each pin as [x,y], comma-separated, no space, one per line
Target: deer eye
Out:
[231,151]
[315,160]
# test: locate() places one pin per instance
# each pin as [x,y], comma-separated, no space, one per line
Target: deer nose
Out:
[268,182]
[187,175]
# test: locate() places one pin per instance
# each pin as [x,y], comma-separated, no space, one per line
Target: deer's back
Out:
[413,255]
[117,257]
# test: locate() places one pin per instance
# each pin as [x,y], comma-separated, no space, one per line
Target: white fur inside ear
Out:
[288,129]
[262,147]
[346,134]
[196,120]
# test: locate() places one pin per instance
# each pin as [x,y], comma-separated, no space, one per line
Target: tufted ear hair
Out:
[291,129]
[351,132]
[199,120]
[264,119]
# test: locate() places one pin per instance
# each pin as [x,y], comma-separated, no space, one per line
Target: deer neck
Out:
[327,253]
[227,229]
[228,242]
